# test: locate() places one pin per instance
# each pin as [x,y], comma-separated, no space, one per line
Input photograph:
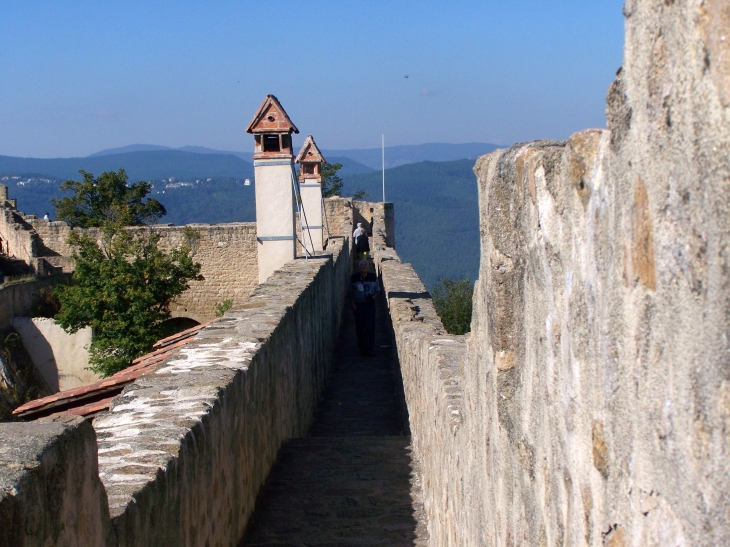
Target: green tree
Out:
[331,182]
[453,302]
[123,283]
[359,195]
[109,198]
[222,307]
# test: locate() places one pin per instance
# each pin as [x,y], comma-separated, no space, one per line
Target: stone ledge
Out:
[50,493]
[416,323]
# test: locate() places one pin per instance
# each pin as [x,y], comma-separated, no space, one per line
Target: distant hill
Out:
[141,165]
[349,166]
[437,217]
[369,157]
[414,153]
[127,149]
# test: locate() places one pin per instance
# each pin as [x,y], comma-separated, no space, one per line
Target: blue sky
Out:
[80,76]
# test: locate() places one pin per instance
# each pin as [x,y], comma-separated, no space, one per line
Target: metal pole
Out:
[383,145]
[297,197]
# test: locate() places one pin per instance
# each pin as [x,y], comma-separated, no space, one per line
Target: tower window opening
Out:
[285,142]
[308,169]
[271,143]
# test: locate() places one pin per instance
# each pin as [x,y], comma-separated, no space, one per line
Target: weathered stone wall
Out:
[18,238]
[431,364]
[50,492]
[17,299]
[60,357]
[227,253]
[595,385]
[339,216]
[53,235]
[184,450]
[343,214]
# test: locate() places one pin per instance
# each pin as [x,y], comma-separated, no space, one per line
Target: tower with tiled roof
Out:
[273,161]
[310,161]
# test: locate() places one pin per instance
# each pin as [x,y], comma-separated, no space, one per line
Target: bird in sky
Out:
[406,76]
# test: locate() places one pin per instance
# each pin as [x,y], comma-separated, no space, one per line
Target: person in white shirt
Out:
[358,231]
[360,241]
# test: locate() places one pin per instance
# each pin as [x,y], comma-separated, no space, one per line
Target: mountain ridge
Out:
[437,217]
[369,157]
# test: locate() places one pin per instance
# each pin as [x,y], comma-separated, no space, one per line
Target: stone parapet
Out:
[17,299]
[50,492]
[183,451]
[431,364]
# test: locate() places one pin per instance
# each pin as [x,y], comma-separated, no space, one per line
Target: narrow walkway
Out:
[349,482]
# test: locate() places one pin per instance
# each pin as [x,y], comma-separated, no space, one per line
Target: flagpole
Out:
[383,146]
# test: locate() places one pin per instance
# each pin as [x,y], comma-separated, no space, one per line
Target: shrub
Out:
[453,302]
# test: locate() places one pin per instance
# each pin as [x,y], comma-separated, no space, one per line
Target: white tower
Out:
[273,162]
[310,189]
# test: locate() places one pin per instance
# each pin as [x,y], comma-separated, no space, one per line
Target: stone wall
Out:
[17,299]
[18,238]
[61,358]
[431,363]
[595,387]
[227,253]
[50,492]
[343,214]
[339,216]
[184,450]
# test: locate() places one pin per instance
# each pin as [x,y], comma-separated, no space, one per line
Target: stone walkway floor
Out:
[350,481]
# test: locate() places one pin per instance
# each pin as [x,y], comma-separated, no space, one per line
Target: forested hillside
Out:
[437,224]
[139,165]
[436,215]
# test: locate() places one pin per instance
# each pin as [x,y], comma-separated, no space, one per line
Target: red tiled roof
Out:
[90,399]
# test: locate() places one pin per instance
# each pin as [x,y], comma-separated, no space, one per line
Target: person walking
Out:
[360,239]
[364,287]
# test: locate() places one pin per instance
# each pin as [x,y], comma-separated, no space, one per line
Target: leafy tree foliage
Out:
[359,195]
[331,182]
[453,302]
[222,307]
[109,198]
[123,283]
[122,287]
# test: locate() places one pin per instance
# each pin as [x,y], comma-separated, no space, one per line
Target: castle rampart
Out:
[183,451]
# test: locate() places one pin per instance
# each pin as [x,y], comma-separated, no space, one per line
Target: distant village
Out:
[159,185]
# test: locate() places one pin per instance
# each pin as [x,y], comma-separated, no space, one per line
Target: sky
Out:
[77,77]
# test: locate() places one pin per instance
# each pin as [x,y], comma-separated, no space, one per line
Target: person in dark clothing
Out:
[362,245]
[364,287]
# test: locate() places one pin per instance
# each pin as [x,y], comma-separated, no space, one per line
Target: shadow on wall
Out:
[60,357]
[39,349]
